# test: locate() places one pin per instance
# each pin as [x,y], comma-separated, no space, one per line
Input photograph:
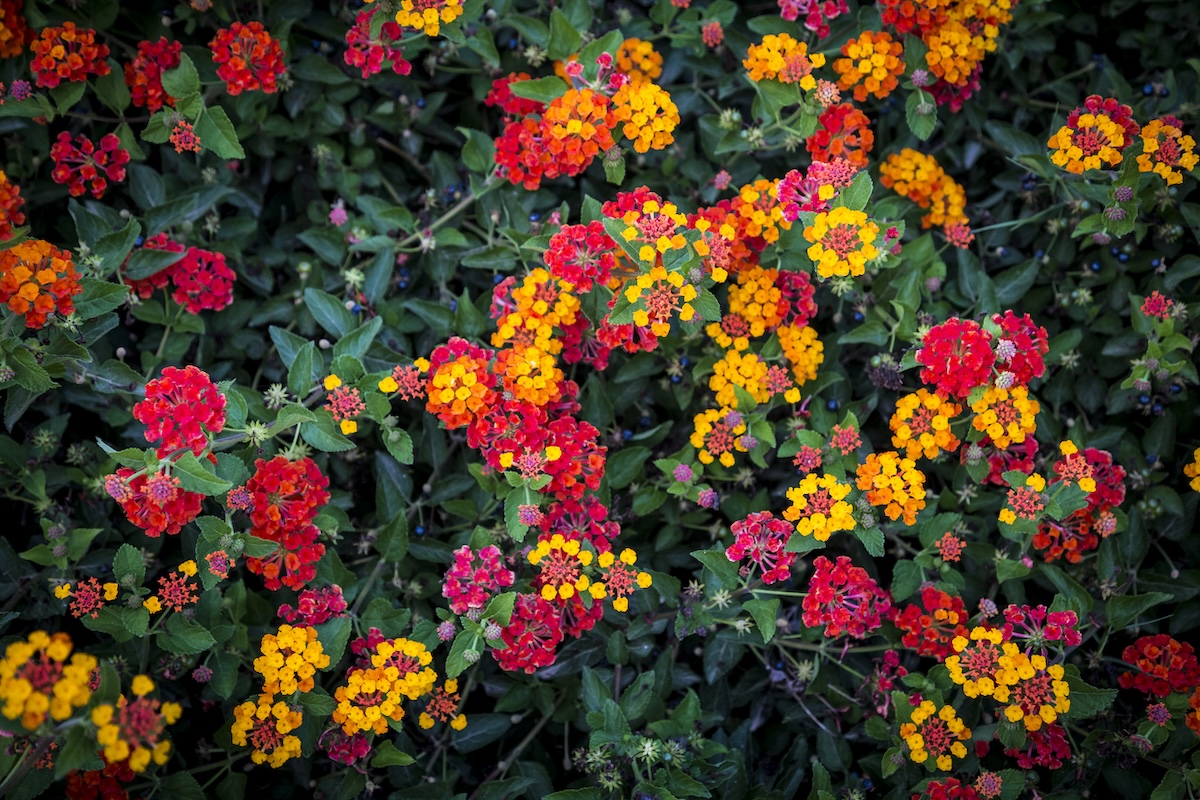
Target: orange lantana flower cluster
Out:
[37,280]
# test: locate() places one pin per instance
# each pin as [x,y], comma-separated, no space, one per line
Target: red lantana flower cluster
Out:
[202,278]
[842,132]
[283,498]
[182,409]
[78,162]
[1081,531]
[582,255]
[1163,666]
[531,637]
[11,201]
[248,58]
[760,539]
[155,503]
[844,598]
[369,53]
[315,606]
[67,53]
[143,75]
[957,357]
[474,577]
[930,626]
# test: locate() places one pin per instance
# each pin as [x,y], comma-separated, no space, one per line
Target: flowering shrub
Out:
[584,400]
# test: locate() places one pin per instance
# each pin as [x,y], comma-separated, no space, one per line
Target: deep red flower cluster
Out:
[202,278]
[844,598]
[947,789]
[760,539]
[911,16]
[345,749]
[67,53]
[1163,666]
[183,407]
[143,75]
[155,503]
[1034,627]
[512,105]
[474,577]
[1047,748]
[285,497]
[315,606]
[1014,457]
[957,357]
[370,53]
[585,519]
[247,58]
[531,636]
[1021,347]
[79,162]
[930,626]
[816,13]
[101,784]
[582,255]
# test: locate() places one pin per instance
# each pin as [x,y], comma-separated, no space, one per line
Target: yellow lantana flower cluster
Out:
[936,733]
[1094,144]
[739,369]
[1029,689]
[783,58]
[660,294]
[842,242]
[373,695]
[649,114]
[1192,471]
[921,424]
[428,16]
[894,484]
[718,434]
[639,60]
[266,724]
[756,299]
[803,350]
[819,506]
[38,681]
[133,728]
[1166,151]
[1006,415]
[290,658]
[543,303]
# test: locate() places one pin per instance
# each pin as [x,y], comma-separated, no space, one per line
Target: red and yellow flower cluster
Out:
[1098,132]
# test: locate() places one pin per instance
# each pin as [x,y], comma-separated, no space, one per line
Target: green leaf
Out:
[1124,610]
[398,443]
[129,568]
[543,90]
[66,95]
[1086,701]
[113,248]
[99,297]
[217,134]
[564,39]
[921,124]
[184,636]
[329,312]
[181,786]
[614,169]
[456,661]
[857,194]
[765,614]
[479,153]
[198,476]
[906,579]
[500,608]
[333,636]
[182,81]
[716,560]
[300,375]
[325,435]
[1011,734]
[871,538]
[145,262]
[112,91]
[318,702]
[625,465]
[386,755]
[391,542]
[356,342]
